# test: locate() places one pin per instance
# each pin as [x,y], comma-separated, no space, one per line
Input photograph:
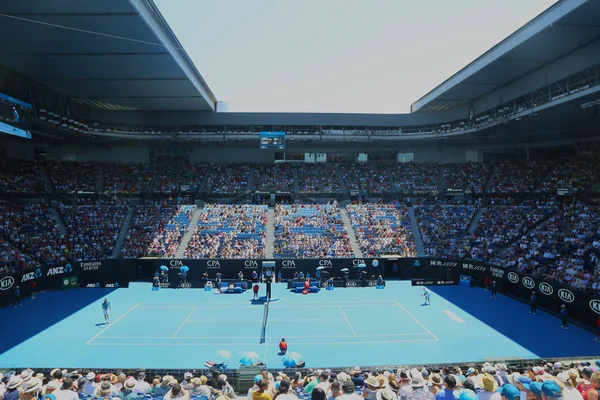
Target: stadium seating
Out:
[318,178]
[74,177]
[21,177]
[307,231]
[274,177]
[93,228]
[412,178]
[229,179]
[372,178]
[382,229]
[171,177]
[170,233]
[444,228]
[127,178]
[225,231]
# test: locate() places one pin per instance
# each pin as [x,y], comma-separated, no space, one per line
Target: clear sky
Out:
[354,56]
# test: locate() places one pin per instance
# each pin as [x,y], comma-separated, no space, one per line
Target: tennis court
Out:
[344,327]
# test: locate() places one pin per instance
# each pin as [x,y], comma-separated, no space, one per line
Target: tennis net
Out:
[263,331]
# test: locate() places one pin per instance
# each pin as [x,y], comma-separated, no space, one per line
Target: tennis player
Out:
[426,295]
[106,310]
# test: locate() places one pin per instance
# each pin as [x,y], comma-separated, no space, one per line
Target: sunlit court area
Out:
[314,200]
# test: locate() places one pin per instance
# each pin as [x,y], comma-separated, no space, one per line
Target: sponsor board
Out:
[433,282]
[566,295]
[513,277]
[546,288]
[7,282]
[528,282]
[595,305]
[90,265]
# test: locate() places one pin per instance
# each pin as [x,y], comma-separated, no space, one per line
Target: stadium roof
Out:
[560,30]
[113,54]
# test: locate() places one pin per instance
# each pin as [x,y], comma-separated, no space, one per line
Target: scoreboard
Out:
[272,140]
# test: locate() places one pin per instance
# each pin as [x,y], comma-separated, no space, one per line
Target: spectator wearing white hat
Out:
[419,388]
[141,386]
[90,386]
[13,388]
[52,387]
[103,389]
[569,379]
[32,389]
[127,391]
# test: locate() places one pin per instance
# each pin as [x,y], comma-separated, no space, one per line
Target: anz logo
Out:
[60,270]
[37,274]
[350,284]
[566,295]
[513,277]
[546,288]
[528,282]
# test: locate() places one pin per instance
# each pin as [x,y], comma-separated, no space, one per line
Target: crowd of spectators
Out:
[535,381]
[370,177]
[469,177]
[21,177]
[171,177]
[173,224]
[228,231]
[274,177]
[564,248]
[31,228]
[149,221]
[318,178]
[444,228]
[579,174]
[73,177]
[410,177]
[499,226]
[382,229]
[310,231]
[519,176]
[93,228]
[229,179]
[127,178]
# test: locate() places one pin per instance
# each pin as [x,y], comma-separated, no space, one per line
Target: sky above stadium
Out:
[351,56]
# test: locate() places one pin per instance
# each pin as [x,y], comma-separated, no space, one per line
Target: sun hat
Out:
[103,389]
[52,385]
[372,381]
[90,376]
[416,378]
[196,382]
[558,365]
[40,375]
[26,374]
[129,383]
[488,383]
[14,382]
[54,371]
[32,385]
[342,376]
[551,389]
[471,371]
[385,394]
[536,388]
[348,387]
[573,373]
[468,395]
[166,380]
[436,379]
[510,392]
[525,381]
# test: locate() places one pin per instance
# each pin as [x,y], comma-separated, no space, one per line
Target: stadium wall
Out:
[582,307]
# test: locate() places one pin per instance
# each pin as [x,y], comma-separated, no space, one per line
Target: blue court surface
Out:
[183,328]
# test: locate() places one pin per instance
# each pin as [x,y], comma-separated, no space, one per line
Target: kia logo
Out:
[566,295]
[513,277]
[185,285]
[324,284]
[6,282]
[372,283]
[595,306]
[528,282]
[351,284]
[546,288]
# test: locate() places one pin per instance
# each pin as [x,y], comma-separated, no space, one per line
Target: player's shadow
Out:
[102,324]
[39,319]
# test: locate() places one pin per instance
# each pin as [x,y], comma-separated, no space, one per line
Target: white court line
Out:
[268,337]
[348,321]
[112,324]
[283,307]
[416,320]
[270,320]
[265,344]
[184,321]
[271,304]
